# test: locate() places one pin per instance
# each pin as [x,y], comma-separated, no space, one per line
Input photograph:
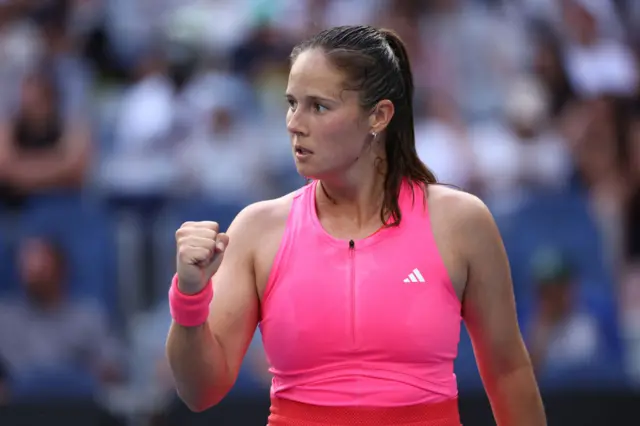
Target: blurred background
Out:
[120,119]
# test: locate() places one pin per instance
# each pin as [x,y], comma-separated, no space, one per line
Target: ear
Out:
[381,116]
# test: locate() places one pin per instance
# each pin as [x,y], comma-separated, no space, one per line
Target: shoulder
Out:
[262,216]
[469,223]
[266,211]
[458,206]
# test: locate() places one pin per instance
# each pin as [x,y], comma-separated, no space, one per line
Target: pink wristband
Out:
[189,310]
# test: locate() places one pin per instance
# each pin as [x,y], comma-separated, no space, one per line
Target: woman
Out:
[358,280]
[42,151]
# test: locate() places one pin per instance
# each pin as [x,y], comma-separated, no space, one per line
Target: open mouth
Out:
[302,151]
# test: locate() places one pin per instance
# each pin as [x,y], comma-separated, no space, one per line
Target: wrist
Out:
[187,290]
[189,310]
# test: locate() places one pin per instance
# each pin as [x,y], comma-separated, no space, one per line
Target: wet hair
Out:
[376,64]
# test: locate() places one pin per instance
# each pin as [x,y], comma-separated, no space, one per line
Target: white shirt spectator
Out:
[142,157]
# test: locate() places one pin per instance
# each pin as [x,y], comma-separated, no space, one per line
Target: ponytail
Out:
[400,145]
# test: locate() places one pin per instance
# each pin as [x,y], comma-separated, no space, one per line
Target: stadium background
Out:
[119,119]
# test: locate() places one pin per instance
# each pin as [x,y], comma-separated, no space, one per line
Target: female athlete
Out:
[360,279]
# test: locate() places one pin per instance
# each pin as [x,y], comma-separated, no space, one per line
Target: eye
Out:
[319,108]
[292,104]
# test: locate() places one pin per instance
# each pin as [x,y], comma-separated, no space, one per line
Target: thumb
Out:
[222,240]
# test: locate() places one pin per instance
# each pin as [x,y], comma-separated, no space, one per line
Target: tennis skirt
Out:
[290,413]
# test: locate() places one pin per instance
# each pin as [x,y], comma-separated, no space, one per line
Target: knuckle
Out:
[182,238]
[183,230]
[183,252]
[210,225]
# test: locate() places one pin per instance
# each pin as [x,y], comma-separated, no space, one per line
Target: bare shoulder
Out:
[261,219]
[262,226]
[469,225]
[461,209]
[264,213]
[463,229]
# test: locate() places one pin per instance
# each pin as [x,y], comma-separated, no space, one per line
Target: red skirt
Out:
[290,413]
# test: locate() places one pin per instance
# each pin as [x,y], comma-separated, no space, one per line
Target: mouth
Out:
[302,151]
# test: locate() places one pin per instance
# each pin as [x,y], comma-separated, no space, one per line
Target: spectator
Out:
[212,155]
[523,153]
[599,157]
[597,60]
[549,67]
[140,164]
[442,141]
[563,334]
[69,72]
[139,174]
[48,339]
[41,152]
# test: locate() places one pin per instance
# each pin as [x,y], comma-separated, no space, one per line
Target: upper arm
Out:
[234,310]
[489,308]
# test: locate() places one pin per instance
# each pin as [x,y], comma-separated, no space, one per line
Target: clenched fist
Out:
[200,248]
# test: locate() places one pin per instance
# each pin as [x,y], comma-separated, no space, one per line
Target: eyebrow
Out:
[312,97]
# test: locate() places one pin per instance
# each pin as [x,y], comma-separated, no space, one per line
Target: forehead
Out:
[312,71]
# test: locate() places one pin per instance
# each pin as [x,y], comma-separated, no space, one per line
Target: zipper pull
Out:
[352,244]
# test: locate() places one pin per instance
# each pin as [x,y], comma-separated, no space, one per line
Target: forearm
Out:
[515,398]
[64,166]
[199,366]
[40,173]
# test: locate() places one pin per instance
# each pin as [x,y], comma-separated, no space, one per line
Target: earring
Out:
[374,134]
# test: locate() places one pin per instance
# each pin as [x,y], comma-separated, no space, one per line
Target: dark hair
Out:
[377,65]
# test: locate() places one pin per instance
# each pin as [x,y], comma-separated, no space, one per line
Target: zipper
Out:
[352,279]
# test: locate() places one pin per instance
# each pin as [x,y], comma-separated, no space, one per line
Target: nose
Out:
[295,124]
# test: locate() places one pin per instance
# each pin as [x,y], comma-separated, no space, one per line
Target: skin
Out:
[329,121]
[64,166]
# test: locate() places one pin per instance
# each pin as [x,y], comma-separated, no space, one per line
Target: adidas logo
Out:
[415,277]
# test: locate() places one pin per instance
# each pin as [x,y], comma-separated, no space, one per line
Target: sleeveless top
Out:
[372,322]
[29,139]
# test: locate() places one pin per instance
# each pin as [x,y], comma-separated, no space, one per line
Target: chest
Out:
[380,301]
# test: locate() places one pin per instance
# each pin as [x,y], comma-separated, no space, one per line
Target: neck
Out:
[354,195]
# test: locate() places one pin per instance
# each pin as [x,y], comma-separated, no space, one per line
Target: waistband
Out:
[291,413]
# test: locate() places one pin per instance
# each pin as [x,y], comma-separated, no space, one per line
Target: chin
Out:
[305,172]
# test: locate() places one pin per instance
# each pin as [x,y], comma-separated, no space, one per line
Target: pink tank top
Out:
[371,322]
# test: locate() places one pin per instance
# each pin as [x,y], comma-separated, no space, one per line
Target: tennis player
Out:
[360,279]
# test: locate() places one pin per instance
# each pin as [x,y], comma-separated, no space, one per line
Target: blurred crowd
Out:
[120,119]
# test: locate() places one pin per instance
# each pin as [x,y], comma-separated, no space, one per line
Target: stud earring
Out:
[374,134]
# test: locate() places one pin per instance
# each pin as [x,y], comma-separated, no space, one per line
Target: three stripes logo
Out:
[415,277]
